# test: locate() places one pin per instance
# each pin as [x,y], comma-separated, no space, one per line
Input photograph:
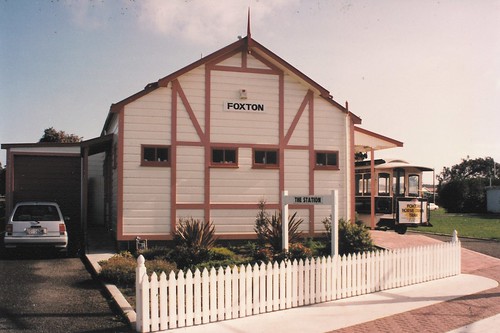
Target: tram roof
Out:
[402,165]
[381,164]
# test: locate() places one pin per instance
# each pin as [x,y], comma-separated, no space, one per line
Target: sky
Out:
[423,72]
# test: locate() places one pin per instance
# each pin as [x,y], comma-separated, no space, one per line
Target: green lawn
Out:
[469,225]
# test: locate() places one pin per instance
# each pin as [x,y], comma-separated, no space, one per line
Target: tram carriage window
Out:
[367,182]
[413,185]
[363,184]
[398,183]
[384,184]
[359,183]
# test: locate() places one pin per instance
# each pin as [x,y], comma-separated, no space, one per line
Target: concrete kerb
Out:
[120,301]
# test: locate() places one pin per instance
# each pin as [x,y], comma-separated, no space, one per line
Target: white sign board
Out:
[412,212]
[332,200]
[309,200]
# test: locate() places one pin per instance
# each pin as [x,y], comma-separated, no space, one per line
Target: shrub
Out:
[120,269]
[156,253]
[194,240]
[263,255]
[318,247]
[187,257]
[159,265]
[353,238]
[221,253]
[299,251]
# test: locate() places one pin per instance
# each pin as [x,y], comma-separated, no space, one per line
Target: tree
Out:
[461,188]
[52,135]
[470,169]
[360,156]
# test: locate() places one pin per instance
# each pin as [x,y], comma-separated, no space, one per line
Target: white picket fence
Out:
[187,299]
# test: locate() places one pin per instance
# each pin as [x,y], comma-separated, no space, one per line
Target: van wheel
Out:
[400,229]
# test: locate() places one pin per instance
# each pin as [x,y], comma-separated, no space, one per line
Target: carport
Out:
[71,174]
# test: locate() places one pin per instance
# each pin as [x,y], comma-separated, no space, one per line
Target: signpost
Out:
[332,200]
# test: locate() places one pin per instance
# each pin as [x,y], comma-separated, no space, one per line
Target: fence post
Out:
[457,253]
[140,272]
[335,223]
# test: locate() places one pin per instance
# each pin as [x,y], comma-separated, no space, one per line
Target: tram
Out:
[388,195]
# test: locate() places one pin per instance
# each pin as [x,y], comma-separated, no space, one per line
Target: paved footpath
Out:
[479,312]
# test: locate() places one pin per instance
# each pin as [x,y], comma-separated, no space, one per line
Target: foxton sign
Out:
[243,106]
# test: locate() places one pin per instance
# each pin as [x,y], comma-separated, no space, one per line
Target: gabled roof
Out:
[244,44]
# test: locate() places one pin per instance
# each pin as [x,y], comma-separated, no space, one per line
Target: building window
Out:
[327,160]
[265,158]
[225,157]
[155,155]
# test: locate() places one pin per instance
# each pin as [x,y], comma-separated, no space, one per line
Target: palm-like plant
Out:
[270,229]
[195,234]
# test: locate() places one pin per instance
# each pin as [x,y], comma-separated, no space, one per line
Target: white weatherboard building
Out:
[215,138]
[211,141]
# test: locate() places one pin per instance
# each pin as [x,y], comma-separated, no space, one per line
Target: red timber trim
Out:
[312,160]
[119,170]
[237,236]
[378,136]
[177,91]
[208,150]
[309,102]
[150,237]
[244,70]
[210,66]
[353,173]
[176,88]
[306,101]
[244,60]
[281,131]
[173,163]
[253,206]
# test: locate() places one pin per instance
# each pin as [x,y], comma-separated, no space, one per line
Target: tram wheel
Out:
[400,229]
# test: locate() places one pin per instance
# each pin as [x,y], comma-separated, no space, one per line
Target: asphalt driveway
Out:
[44,293]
